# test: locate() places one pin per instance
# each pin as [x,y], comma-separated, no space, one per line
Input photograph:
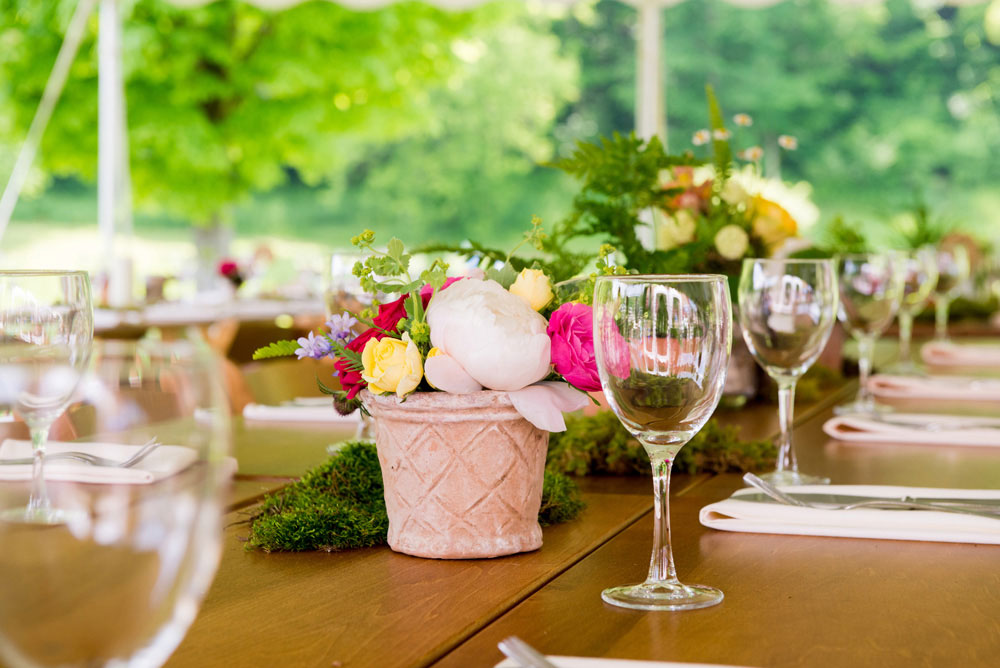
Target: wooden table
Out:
[790,600]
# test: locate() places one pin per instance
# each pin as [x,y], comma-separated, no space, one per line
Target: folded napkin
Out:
[163,462]
[916,428]
[738,514]
[595,662]
[934,387]
[303,409]
[945,353]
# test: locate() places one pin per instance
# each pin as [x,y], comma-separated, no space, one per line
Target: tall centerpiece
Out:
[465,376]
[685,213]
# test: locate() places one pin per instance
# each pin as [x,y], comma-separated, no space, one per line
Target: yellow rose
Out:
[673,231]
[392,365]
[771,222]
[532,285]
[732,242]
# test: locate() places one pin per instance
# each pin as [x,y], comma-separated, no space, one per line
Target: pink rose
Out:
[571,330]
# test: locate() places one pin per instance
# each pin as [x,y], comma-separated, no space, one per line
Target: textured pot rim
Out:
[421,401]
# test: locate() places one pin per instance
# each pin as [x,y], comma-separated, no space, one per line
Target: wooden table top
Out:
[790,600]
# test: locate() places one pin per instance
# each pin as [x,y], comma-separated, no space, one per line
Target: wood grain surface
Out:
[376,607]
[790,600]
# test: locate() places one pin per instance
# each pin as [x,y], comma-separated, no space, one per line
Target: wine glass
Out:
[46,330]
[120,580]
[662,345]
[343,289]
[787,312]
[919,275]
[870,293]
[953,268]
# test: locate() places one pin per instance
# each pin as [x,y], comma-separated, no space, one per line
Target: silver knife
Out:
[839,499]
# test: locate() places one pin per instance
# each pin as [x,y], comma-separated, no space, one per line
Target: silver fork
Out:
[523,653]
[904,503]
[88,458]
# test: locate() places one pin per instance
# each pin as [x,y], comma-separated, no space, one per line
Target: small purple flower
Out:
[340,327]
[314,346]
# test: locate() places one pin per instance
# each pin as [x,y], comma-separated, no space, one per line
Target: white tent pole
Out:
[50,95]
[114,199]
[650,118]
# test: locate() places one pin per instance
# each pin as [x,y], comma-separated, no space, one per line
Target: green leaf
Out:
[395,249]
[276,349]
[505,275]
[384,266]
[434,277]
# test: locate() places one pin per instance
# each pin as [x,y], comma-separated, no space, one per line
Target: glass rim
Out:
[665,278]
[44,272]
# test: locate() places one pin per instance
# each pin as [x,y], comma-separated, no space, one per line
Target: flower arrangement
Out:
[707,213]
[495,328]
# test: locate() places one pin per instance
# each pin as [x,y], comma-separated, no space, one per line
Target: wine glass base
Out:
[782,478]
[662,596]
[861,408]
[904,369]
[44,516]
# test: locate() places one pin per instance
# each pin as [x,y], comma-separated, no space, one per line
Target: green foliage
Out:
[276,349]
[722,153]
[561,500]
[224,97]
[340,505]
[599,444]
[337,505]
[620,178]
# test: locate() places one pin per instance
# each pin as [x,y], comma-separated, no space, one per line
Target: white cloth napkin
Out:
[597,662]
[163,462]
[946,353]
[734,514]
[916,428]
[302,409]
[934,387]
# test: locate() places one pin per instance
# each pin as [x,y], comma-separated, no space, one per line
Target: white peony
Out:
[493,335]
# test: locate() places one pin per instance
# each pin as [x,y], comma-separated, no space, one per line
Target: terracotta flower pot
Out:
[463,474]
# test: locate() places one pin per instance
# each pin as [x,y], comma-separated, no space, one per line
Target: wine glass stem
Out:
[786,414]
[661,563]
[39,499]
[941,318]
[905,335]
[866,348]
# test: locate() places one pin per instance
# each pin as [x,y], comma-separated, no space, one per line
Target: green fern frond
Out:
[276,349]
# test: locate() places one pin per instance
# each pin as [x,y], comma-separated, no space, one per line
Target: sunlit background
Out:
[288,132]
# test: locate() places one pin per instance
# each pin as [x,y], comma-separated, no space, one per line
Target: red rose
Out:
[571,330]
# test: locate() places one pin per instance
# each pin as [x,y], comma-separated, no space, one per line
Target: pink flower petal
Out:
[543,404]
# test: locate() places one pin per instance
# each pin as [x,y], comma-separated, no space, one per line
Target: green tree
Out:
[223,98]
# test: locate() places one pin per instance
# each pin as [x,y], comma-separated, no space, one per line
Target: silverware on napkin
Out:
[520,651]
[89,458]
[771,494]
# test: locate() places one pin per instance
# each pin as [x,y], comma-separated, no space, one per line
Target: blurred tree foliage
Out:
[425,124]
[223,99]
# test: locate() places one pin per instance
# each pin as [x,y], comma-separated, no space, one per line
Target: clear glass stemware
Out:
[787,312]
[119,581]
[46,330]
[919,275]
[953,269]
[871,289]
[662,345]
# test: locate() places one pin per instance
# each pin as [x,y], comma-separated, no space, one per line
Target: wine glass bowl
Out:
[787,311]
[119,579]
[662,346]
